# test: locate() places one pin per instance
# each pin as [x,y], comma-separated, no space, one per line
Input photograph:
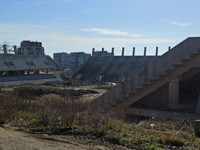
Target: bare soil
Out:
[12,139]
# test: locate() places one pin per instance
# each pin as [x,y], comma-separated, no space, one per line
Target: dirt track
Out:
[10,139]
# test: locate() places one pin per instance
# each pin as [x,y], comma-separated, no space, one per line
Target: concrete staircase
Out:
[151,77]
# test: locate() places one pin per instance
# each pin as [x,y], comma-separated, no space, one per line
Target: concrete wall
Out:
[112,67]
[157,100]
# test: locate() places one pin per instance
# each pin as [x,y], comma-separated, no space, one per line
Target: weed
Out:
[124,140]
[173,142]
[151,147]
[55,111]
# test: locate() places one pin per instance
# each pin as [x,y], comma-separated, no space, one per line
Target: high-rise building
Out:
[72,61]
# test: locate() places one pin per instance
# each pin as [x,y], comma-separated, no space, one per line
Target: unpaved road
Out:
[10,139]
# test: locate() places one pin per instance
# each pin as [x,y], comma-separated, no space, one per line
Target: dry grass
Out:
[62,112]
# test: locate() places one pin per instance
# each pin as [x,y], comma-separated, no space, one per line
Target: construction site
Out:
[126,87]
[143,85]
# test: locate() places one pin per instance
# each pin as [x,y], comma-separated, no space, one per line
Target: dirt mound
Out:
[33,92]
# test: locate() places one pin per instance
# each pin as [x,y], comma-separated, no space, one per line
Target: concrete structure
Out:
[102,53]
[73,61]
[168,83]
[26,60]
[110,68]
[31,48]
[62,59]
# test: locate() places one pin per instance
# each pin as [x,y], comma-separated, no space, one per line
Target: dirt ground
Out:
[84,92]
[11,139]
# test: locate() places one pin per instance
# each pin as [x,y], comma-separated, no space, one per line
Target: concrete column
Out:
[5,49]
[122,51]
[21,73]
[93,50]
[15,49]
[113,51]
[145,50]
[173,93]
[198,105]
[133,51]
[156,51]
[36,71]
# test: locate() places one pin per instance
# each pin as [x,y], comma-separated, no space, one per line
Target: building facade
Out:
[31,48]
[72,61]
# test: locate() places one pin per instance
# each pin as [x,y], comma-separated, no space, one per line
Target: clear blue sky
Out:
[80,25]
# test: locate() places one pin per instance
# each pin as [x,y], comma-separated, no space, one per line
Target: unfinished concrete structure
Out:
[170,82]
[31,48]
[102,53]
[110,68]
[29,59]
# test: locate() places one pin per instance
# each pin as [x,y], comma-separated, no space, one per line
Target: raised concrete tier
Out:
[112,67]
[18,62]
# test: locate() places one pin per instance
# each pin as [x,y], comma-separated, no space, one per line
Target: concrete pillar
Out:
[122,51]
[113,51]
[93,50]
[21,73]
[198,105]
[15,49]
[5,49]
[156,51]
[102,49]
[36,71]
[145,50]
[173,93]
[169,48]
[43,54]
[133,51]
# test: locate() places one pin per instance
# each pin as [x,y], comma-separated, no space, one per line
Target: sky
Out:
[80,25]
